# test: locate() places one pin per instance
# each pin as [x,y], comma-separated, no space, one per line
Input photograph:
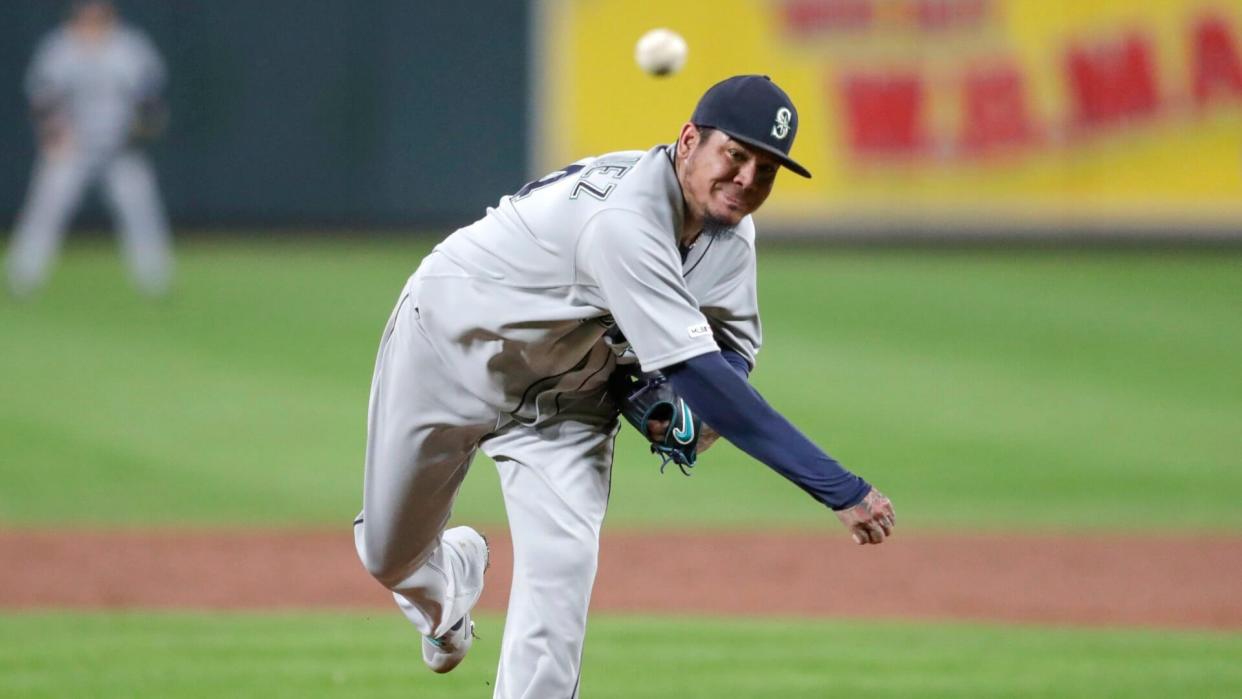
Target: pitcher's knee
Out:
[391,569]
[388,561]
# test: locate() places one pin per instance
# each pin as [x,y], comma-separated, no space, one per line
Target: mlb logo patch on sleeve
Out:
[699,330]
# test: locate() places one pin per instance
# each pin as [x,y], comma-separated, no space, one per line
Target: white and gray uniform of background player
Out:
[497,343]
[86,86]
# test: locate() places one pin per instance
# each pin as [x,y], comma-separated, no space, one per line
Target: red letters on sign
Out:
[994,109]
[1111,83]
[807,17]
[1216,66]
[947,14]
[884,114]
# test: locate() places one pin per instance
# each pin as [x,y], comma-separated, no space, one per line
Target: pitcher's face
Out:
[723,180]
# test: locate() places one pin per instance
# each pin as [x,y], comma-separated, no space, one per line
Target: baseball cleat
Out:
[443,653]
[446,652]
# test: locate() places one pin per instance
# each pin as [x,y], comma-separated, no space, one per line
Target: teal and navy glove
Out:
[644,397]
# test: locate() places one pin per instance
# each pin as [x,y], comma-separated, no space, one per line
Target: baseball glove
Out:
[150,121]
[51,124]
[646,397]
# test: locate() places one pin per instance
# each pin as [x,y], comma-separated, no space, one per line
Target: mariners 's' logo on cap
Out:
[781,128]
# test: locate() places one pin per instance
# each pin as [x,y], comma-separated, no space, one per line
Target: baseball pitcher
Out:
[507,339]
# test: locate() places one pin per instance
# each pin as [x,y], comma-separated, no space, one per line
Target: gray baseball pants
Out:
[423,431]
[60,180]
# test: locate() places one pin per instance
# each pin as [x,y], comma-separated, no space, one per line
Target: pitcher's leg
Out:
[555,481]
[422,432]
[445,586]
[56,189]
[141,223]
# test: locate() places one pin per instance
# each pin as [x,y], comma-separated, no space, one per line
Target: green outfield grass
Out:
[190,655]
[1026,389]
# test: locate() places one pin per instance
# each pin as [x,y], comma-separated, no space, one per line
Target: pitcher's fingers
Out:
[878,533]
[886,525]
[871,532]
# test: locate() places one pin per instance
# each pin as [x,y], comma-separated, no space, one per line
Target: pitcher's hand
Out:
[870,521]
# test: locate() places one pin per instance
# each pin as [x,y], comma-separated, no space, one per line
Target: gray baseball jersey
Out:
[97,84]
[549,269]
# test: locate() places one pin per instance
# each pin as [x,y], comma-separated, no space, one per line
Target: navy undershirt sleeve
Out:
[712,387]
[737,361]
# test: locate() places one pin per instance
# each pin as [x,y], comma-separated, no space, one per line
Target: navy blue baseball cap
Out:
[753,110]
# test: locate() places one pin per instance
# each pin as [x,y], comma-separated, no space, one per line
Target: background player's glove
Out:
[648,397]
[150,121]
[50,122]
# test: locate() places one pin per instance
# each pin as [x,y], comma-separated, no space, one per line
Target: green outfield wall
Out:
[323,112]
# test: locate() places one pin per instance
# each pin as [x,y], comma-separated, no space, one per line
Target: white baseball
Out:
[660,52]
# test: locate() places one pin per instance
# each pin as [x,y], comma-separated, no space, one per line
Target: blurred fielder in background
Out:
[94,89]
[502,341]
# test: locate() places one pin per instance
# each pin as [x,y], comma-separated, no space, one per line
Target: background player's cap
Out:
[753,110]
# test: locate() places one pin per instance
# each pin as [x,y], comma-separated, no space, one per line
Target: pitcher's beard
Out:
[714,224]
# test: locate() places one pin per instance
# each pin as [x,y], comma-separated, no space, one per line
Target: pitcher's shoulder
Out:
[744,231]
[620,157]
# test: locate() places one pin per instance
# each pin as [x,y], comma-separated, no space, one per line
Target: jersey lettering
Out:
[590,182]
[592,189]
[530,187]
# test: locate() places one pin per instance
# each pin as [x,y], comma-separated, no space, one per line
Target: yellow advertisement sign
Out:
[1006,113]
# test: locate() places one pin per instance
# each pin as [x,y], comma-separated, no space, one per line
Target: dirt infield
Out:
[1186,582]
